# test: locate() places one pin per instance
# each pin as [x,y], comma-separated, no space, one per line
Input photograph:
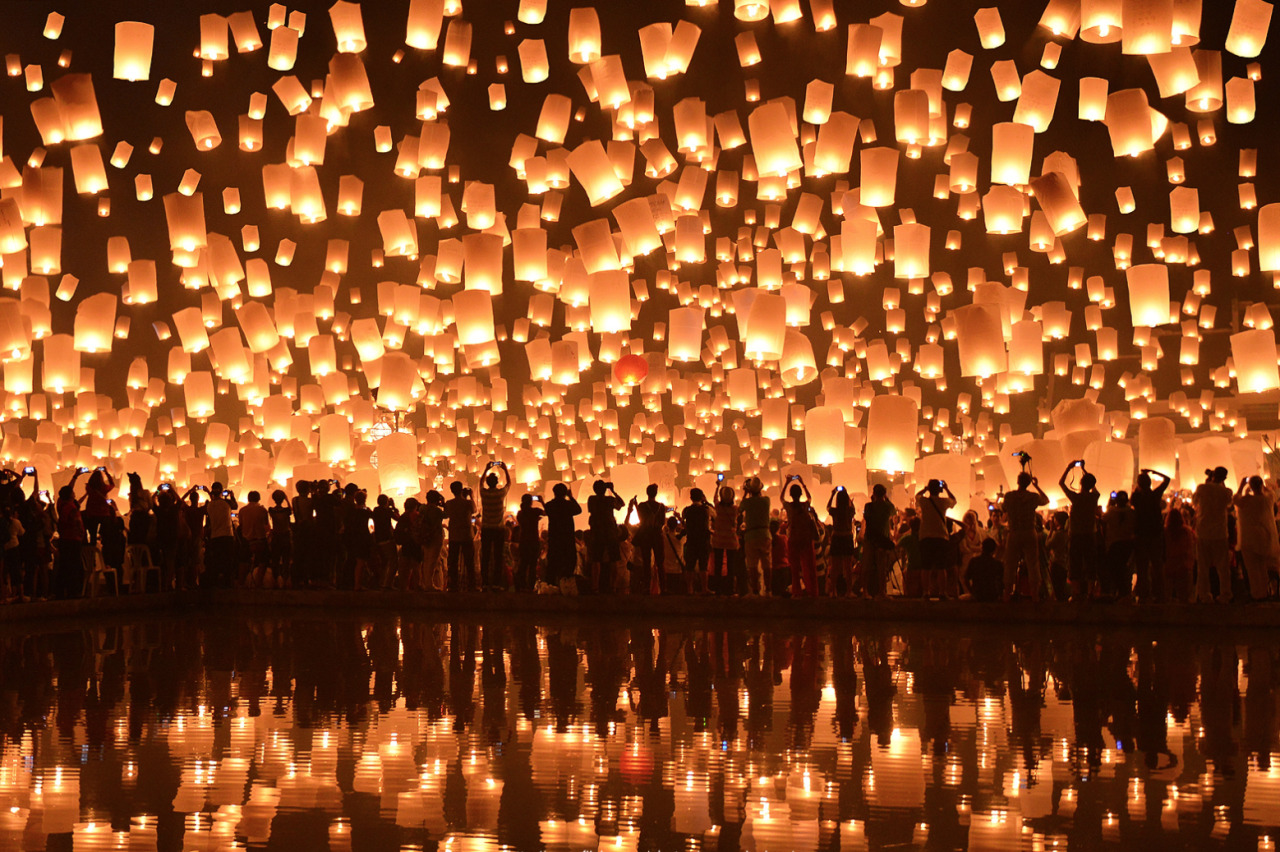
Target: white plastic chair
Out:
[96,571]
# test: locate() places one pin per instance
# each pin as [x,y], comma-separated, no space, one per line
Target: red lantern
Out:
[631,369]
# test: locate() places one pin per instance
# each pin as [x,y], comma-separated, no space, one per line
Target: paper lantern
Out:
[1249,24]
[584,35]
[1254,354]
[348,26]
[593,169]
[397,456]
[335,438]
[473,314]
[422,30]
[630,369]
[990,27]
[1269,238]
[1148,294]
[797,366]
[980,336]
[610,301]
[892,424]
[1148,27]
[75,98]
[1011,145]
[1058,201]
[824,435]
[766,327]
[911,250]
[1129,122]
[134,41]
[457,43]
[1158,445]
[750,11]
[879,172]
[95,322]
[142,288]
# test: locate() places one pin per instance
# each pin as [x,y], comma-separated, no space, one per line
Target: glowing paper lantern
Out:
[473,314]
[1058,201]
[610,301]
[348,26]
[980,336]
[134,41]
[1269,237]
[398,463]
[824,435]
[95,322]
[1249,24]
[1254,353]
[335,438]
[630,369]
[1148,294]
[1011,145]
[879,169]
[892,425]
[1158,445]
[766,327]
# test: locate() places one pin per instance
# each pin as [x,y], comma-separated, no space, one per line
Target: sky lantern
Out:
[892,425]
[1250,21]
[348,26]
[630,369]
[95,321]
[1011,145]
[584,35]
[879,173]
[1148,294]
[133,47]
[1148,27]
[1254,353]
[824,436]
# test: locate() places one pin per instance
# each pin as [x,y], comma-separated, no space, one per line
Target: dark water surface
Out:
[378,733]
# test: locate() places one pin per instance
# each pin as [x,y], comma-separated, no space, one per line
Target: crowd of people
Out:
[1152,545]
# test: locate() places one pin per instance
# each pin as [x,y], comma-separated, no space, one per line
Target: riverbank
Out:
[1102,615]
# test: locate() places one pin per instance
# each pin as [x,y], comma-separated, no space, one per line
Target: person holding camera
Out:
[933,502]
[493,540]
[802,535]
[841,552]
[1022,544]
[603,550]
[459,512]
[1212,501]
[1082,543]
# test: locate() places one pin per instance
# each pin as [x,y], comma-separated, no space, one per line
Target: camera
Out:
[28,470]
[719,477]
[840,488]
[82,470]
[1114,494]
[164,486]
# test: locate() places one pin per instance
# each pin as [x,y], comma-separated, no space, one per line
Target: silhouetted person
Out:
[1212,500]
[462,547]
[1022,544]
[562,552]
[493,543]
[1082,544]
[529,541]
[1148,534]
[603,547]
[651,515]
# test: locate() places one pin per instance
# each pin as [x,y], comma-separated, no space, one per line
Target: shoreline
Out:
[56,614]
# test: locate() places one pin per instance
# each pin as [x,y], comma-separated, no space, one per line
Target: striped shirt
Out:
[493,504]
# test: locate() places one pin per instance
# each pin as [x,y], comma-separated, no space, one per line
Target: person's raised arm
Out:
[1042,498]
[1062,481]
[831,501]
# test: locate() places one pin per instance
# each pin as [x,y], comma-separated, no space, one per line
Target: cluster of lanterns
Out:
[716,281]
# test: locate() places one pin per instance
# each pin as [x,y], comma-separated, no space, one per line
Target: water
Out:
[349,733]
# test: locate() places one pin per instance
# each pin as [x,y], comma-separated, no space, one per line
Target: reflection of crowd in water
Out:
[1210,544]
[1092,730]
